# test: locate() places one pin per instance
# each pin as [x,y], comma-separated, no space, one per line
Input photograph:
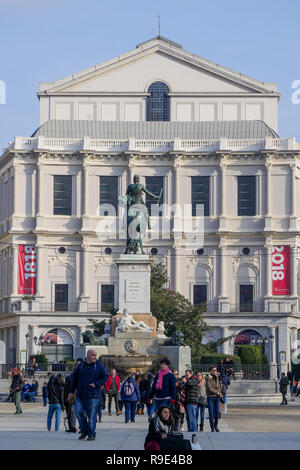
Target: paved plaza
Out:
[243,428]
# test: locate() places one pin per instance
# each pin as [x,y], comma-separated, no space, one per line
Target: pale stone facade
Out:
[117,91]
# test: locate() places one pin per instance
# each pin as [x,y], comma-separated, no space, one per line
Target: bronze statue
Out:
[137,215]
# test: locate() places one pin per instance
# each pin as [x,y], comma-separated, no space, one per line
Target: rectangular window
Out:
[246,195]
[200,193]
[107,295]
[154,184]
[108,194]
[246,298]
[61,297]
[62,204]
[200,295]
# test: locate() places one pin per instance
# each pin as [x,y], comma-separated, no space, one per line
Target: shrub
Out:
[40,358]
[250,354]
[265,359]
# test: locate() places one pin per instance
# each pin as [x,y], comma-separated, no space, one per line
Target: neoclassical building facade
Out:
[202,134]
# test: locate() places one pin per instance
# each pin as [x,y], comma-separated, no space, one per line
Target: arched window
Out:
[158,107]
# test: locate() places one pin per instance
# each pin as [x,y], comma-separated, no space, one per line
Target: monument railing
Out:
[244,372]
[41,372]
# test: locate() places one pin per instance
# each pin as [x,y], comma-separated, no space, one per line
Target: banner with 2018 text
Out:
[27,269]
[281,270]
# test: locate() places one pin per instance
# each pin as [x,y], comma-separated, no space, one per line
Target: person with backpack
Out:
[130,395]
[56,400]
[164,386]
[225,384]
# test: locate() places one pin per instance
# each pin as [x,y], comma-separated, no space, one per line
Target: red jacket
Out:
[108,383]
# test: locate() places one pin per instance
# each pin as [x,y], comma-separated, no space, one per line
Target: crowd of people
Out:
[168,399]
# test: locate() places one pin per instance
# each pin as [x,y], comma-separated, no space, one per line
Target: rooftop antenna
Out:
[158,17]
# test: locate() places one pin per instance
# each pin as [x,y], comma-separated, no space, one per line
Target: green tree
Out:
[98,326]
[178,313]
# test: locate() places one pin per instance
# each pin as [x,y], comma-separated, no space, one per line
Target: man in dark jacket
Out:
[16,386]
[87,379]
[70,408]
[164,386]
[284,382]
[192,393]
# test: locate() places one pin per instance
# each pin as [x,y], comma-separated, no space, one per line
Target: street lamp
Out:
[27,336]
[39,341]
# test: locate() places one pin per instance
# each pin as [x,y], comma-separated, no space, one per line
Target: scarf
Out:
[161,427]
[161,374]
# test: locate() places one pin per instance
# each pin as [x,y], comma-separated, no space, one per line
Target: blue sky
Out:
[44,40]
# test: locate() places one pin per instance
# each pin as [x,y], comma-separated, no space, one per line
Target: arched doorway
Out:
[58,345]
[250,337]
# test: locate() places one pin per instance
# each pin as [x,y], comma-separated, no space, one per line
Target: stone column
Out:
[39,187]
[225,346]
[293,214]
[86,189]
[224,304]
[39,271]
[16,166]
[176,269]
[33,348]
[294,271]
[293,168]
[222,194]
[3,345]
[84,296]
[178,216]
[268,193]
[268,264]
[15,270]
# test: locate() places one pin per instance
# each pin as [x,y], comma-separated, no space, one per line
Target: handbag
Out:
[175,441]
[202,401]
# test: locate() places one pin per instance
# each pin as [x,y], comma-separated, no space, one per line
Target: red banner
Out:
[27,269]
[281,270]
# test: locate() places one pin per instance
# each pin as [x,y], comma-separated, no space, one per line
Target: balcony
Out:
[117,145]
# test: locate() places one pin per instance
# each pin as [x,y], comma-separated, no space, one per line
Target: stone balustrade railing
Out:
[144,145]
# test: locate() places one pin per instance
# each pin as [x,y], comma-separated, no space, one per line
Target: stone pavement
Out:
[28,432]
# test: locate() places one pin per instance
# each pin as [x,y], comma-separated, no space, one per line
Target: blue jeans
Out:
[86,410]
[150,410]
[159,403]
[130,410]
[45,401]
[54,407]
[213,411]
[191,410]
[202,413]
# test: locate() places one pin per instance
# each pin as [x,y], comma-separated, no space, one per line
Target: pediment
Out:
[135,71]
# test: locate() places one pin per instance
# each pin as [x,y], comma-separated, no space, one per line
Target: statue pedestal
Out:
[134,283]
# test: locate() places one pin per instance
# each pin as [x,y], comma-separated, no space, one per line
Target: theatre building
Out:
[200,132]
